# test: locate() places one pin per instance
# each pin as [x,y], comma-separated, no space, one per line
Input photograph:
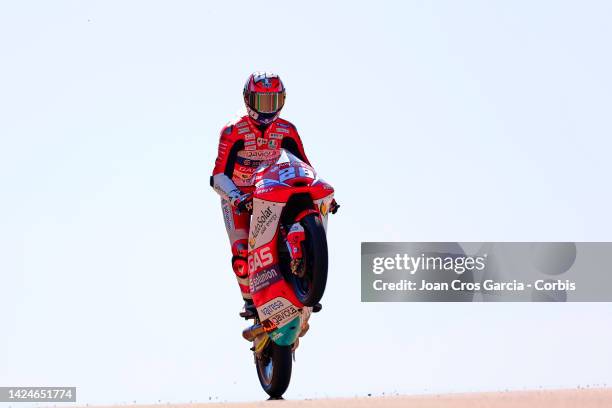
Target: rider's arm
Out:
[221,181]
[293,143]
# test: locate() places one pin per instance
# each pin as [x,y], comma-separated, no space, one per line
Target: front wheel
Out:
[310,284]
[274,369]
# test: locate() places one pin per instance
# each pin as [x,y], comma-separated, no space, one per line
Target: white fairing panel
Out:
[264,222]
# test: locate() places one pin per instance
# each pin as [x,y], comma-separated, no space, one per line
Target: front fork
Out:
[294,236]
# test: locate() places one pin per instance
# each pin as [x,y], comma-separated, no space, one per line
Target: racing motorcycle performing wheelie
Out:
[287,261]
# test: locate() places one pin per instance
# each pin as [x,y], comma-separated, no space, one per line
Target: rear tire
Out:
[274,369]
[310,288]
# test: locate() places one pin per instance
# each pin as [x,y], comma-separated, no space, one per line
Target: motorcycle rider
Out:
[245,143]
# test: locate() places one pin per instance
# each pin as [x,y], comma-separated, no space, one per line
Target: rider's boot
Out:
[248,311]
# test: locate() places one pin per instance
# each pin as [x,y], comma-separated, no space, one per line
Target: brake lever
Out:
[334,206]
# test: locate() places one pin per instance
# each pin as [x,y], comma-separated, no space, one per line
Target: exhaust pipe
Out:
[251,332]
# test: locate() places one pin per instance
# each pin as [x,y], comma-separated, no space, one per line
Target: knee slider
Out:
[240,248]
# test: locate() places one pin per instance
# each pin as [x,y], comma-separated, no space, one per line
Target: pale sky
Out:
[434,121]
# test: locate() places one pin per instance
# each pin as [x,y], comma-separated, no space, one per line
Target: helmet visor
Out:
[268,102]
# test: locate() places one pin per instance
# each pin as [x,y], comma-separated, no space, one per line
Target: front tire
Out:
[310,287]
[274,369]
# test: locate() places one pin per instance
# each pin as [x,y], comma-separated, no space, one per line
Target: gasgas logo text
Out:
[260,258]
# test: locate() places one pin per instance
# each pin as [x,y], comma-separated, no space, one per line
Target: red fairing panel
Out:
[281,194]
[289,176]
[264,267]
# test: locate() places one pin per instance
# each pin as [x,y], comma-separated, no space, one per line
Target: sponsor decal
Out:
[285,125]
[264,278]
[242,124]
[250,147]
[241,175]
[261,141]
[273,306]
[241,182]
[272,144]
[279,311]
[284,316]
[263,221]
[249,136]
[276,136]
[247,162]
[282,130]
[228,130]
[243,130]
[227,216]
[249,143]
[244,169]
[260,258]
[263,190]
[259,154]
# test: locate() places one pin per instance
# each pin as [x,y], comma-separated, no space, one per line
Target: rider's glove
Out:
[333,207]
[244,203]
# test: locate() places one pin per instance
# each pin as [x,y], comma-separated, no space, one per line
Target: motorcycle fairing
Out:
[288,176]
[279,310]
[323,205]
[277,306]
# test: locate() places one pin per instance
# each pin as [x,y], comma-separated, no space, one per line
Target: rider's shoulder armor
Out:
[234,124]
[285,124]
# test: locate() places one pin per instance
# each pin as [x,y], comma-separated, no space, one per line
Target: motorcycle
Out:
[287,262]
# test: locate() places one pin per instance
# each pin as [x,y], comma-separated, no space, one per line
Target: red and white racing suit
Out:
[243,146]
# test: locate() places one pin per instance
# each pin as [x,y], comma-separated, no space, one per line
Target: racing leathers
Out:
[243,146]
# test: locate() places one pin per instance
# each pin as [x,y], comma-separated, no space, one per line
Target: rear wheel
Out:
[274,369]
[309,284]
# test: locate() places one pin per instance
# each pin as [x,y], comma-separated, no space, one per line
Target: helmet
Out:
[264,96]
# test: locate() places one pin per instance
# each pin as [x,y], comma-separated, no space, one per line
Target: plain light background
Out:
[442,121]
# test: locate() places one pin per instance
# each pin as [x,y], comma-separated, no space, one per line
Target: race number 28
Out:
[289,173]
